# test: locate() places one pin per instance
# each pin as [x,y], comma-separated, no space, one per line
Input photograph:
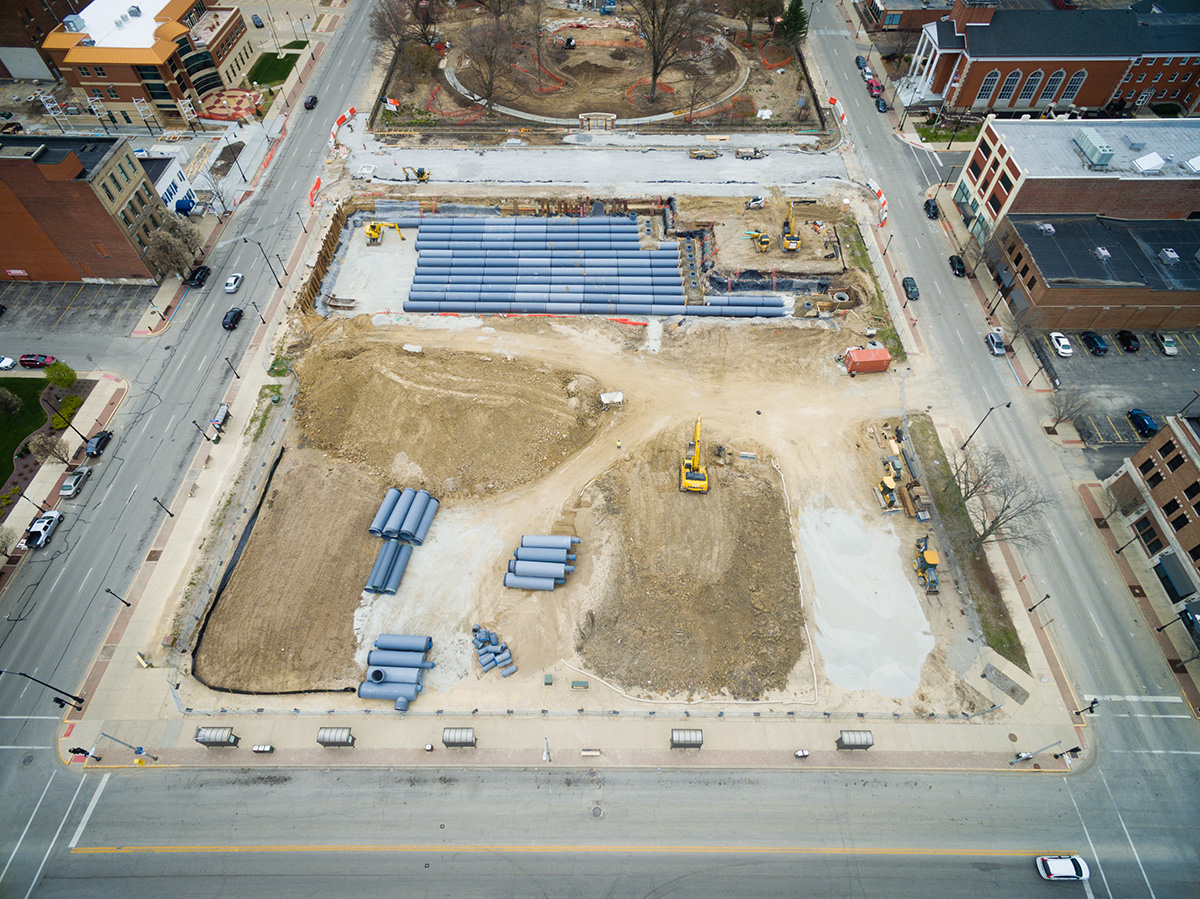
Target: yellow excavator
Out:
[762,241]
[374,231]
[421,175]
[790,238]
[693,476]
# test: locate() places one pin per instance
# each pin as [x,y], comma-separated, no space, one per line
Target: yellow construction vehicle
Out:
[421,175]
[374,231]
[762,241]
[790,237]
[925,565]
[693,476]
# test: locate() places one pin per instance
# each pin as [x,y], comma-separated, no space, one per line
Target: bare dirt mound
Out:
[457,424]
[286,619]
[704,597]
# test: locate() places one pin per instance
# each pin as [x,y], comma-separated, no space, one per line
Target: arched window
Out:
[986,88]
[1052,85]
[1030,88]
[1074,85]
[1009,86]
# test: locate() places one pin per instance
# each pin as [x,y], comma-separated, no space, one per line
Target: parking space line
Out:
[69,305]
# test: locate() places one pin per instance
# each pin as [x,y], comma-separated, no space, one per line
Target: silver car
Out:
[74,482]
[233,282]
[43,529]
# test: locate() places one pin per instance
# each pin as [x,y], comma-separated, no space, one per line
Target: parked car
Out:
[258,23]
[1061,345]
[36,360]
[1128,341]
[74,482]
[198,276]
[310,102]
[874,88]
[1166,343]
[865,73]
[231,319]
[233,282]
[1062,867]
[881,104]
[1096,345]
[99,441]
[931,208]
[43,529]
[860,61]
[995,343]
[910,289]
[7,364]
[1143,422]
[958,266]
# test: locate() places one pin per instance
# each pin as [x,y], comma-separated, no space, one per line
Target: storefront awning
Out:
[1175,579]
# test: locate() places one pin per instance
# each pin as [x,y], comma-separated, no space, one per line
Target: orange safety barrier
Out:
[665,88]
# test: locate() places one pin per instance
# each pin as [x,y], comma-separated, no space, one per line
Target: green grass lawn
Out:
[295,45]
[14,430]
[271,69]
[965,134]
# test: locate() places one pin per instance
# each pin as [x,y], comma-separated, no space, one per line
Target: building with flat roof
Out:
[75,209]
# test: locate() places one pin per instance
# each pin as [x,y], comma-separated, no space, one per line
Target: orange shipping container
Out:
[867,359]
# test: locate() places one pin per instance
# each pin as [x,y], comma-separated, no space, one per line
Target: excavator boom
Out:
[693,476]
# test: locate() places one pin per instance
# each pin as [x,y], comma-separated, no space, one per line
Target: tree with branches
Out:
[749,11]
[46,446]
[794,27]
[174,245]
[492,53]
[667,27]
[1004,503]
[10,403]
[1070,403]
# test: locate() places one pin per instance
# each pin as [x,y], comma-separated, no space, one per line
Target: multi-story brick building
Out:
[1158,490]
[145,60]
[23,27]
[981,58]
[75,209]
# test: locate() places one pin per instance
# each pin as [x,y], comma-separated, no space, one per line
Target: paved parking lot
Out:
[50,307]
[1120,381]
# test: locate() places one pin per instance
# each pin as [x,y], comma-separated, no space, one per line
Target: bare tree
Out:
[1070,403]
[701,91]
[49,446]
[8,539]
[751,10]
[10,403]
[501,9]
[535,11]
[391,29]
[490,47]
[667,26]
[899,45]
[174,245]
[1004,504]
[425,16]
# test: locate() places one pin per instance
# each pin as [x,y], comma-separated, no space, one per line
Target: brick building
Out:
[75,209]
[1158,487]
[981,58]
[146,61]
[23,27]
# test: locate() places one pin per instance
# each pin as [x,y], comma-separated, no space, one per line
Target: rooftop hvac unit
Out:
[1194,165]
[87,42]
[73,23]
[1168,256]
[1150,164]
[135,11]
[1102,254]
[1046,228]
[1093,147]
[124,17]
[1134,143]
[117,22]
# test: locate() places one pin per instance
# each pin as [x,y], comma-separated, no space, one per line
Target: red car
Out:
[35,360]
[874,88]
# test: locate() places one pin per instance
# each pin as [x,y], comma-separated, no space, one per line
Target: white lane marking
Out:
[1157,751]
[30,717]
[200,367]
[57,579]
[1116,698]
[88,575]
[131,496]
[50,848]
[88,814]
[1121,818]
[1092,846]
[27,824]
[167,429]
[1136,715]
[24,747]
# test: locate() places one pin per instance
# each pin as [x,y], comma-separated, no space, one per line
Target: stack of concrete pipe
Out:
[541,562]
[491,651]
[562,266]
[403,522]
[395,669]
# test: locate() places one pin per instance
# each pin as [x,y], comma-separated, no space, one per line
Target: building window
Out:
[973,168]
[97,93]
[100,249]
[1162,95]
[1154,480]
[121,169]
[1130,96]
[1005,182]
[1174,75]
[1141,77]
[1174,463]
[1194,552]
[112,93]
[125,218]
[139,242]
[892,18]
[1166,449]
[1157,75]
[1032,281]
[1180,523]
[1172,507]
[128,120]
[1147,466]
[1017,260]
[100,72]
[108,193]
[1009,87]
[113,179]
[1024,271]
[1074,85]
[985,90]
[1192,491]
[1030,87]
[1174,94]
[1128,77]
[1052,86]
[85,72]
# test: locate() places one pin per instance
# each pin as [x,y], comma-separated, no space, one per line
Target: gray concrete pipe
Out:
[383,562]
[413,517]
[392,582]
[401,704]
[396,518]
[528,583]
[561,541]
[539,569]
[422,531]
[395,675]
[389,691]
[385,509]
[543,554]
[395,658]
[404,642]
[511,669]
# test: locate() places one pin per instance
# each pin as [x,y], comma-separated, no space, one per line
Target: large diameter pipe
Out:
[511,669]
[528,583]
[422,531]
[392,527]
[553,540]
[404,642]
[389,691]
[543,554]
[392,582]
[392,658]
[539,569]
[385,509]
[383,562]
[379,675]
[401,704]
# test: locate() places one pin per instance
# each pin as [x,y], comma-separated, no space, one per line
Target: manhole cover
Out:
[1012,738]
[28,760]
[597,812]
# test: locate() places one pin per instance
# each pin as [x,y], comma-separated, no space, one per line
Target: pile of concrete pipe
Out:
[395,669]
[403,522]
[491,651]
[541,562]
[562,266]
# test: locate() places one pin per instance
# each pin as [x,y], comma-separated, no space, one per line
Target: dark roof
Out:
[1055,34]
[1167,6]
[155,166]
[1169,33]
[91,150]
[1068,256]
[947,37]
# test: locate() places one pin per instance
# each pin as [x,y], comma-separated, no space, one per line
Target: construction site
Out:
[746,524]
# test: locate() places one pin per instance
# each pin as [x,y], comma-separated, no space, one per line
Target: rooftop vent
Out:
[135,11]
[1046,228]
[1168,256]
[87,42]
[1194,164]
[1102,254]
[73,23]
[1134,143]
[1150,164]
[117,22]
[1093,147]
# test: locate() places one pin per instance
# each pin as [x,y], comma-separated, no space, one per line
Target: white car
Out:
[233,282]
[7,364]
[41,530]
[1061,345]
[1062,867]
[74,482]
[1165,342]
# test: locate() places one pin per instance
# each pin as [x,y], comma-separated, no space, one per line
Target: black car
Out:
[99,441]
[1095,344]
[198,276]
[310,102]
[958,266]
[910,289]
[1143,422]
[1128,341]
[931,208]
[881,104]
[232,317]
[860,61]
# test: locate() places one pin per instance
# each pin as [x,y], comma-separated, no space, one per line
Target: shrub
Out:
[10,403]
[67,409]
[61,375]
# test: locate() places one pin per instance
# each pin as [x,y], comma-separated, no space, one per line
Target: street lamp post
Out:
[256,309]
[128,605]
[76,701]
[889,243]
[236,160]
[1192,400]
[1159,630]
[41,508]
[1039,602]
[981,421]
[164,508]
[58,412]
[949,180]
[1126,544]
[1059,755]
[299,216]
[203,433]
[267,258]
[232,369]
[1090,707]
[281,265]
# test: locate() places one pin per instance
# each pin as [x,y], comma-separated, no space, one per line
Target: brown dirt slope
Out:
[705,597]
[286,620]
[454,423]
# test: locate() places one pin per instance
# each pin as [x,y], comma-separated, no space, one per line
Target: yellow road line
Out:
[641,850]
